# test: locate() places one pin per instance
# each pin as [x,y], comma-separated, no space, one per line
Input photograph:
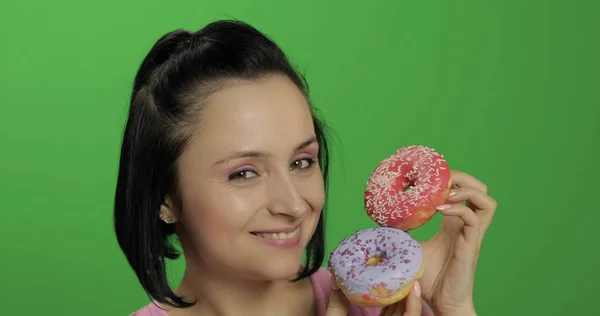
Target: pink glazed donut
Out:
[405,188]
[377,266]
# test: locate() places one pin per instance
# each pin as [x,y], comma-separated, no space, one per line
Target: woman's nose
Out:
[285,198]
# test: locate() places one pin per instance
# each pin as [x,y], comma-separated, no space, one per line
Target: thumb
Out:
[338,303]
[412,304]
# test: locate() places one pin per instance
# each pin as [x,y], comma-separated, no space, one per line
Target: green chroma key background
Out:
[507,90]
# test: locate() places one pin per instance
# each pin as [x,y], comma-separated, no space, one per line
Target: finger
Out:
[411,305]
[338,303]
[483,205]
[478,198]
[462,179]
[471,222]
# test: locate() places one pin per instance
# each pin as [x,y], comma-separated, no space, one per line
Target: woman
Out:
[223,150]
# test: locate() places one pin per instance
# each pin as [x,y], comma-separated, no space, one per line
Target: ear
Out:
[167,212]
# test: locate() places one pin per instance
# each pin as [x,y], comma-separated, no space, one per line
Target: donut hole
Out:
[375,260]
[410,180]
[410,186]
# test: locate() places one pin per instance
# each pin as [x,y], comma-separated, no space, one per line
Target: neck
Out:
[220,293]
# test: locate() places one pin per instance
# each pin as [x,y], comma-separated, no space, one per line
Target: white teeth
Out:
[280,235]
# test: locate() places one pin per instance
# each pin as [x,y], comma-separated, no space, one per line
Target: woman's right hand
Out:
[410,306]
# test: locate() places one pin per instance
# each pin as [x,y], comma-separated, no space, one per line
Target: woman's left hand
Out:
[451,255]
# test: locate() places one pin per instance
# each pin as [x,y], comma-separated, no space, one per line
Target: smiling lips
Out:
[285,237]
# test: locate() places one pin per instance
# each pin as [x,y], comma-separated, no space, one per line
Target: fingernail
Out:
[334,286]
[333,283]
[443,207]
[417,288]
[453,193]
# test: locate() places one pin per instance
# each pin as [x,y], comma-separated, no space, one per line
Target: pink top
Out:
[321,282]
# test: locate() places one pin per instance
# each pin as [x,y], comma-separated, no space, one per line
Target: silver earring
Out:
[165,218]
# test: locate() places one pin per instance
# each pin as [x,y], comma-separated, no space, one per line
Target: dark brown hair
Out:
[165,95]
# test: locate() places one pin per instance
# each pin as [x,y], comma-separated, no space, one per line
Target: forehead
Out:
[263,113]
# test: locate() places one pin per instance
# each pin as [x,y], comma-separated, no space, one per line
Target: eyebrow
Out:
[259,154]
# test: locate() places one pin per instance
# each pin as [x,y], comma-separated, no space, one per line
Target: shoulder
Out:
[149,310]
[322,288]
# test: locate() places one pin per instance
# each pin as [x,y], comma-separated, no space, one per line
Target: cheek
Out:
[314,193]
[218,215]
[203,223]
[214,226]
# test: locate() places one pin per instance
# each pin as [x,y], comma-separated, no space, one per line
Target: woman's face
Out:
[251,187]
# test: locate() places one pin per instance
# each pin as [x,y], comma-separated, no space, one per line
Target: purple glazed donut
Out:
[377,266]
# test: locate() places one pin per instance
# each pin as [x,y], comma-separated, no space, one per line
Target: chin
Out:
[282,270]
[278,265]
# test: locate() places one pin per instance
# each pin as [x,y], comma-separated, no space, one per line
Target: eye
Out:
[303,163]
[242,175]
